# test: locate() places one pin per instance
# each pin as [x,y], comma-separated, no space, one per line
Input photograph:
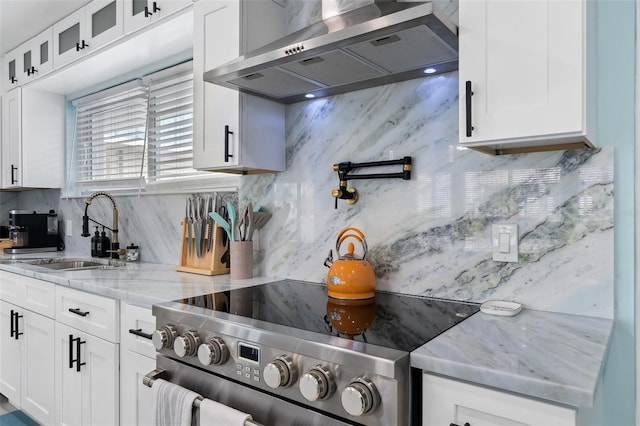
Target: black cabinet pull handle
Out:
[78,312]
[455,424]
[468,95]
[13,321]
[15,325]
[79,363]
[13,79]
[79,46]
[146,12]
[155,7]
[140,333]
[17,333]
[227,132]
[14,169]
[71,360]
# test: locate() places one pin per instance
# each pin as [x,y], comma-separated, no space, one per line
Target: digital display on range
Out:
[249,353]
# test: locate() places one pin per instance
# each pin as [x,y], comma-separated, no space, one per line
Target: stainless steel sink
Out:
[75,264]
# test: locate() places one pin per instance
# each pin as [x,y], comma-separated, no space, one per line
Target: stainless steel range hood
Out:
[381,43]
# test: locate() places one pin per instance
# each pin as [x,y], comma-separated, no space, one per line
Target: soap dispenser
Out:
[94,243]
[104,244]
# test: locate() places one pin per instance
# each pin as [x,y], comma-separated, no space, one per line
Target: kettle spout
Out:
[329,260]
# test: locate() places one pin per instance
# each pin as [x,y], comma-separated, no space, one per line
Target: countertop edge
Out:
[485,366]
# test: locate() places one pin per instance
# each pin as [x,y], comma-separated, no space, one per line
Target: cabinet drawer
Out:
[29,293]
[134,322]
[88,312]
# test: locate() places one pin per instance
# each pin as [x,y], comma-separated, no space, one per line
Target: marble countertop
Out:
[556,357]
[137,283]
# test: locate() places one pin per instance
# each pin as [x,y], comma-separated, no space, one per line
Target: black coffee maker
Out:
[32,232]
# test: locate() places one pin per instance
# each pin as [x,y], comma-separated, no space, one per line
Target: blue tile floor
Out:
[9,416]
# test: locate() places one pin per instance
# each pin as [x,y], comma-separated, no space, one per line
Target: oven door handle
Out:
[159,373]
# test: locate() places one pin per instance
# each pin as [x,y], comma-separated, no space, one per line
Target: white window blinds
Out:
[137,136]
[170,129]
[110,136]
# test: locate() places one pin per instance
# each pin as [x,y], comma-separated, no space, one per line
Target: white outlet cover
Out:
[68,228]
[507,252]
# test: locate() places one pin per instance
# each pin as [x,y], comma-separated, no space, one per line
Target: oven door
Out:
[265,409]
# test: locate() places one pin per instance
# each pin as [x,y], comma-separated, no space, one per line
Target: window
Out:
[110,137]
[139,137]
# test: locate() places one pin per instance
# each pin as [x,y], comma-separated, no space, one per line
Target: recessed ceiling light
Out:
[309,96]
[430,70]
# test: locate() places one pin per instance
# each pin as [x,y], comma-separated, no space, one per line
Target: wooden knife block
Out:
[211,262]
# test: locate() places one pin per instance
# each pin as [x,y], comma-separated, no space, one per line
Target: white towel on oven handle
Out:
[215,413]
[174,404]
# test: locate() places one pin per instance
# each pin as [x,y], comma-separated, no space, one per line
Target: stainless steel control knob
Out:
[317,383]
[213,352]
[360,397]
[164,337]
[187,344]
[280,373]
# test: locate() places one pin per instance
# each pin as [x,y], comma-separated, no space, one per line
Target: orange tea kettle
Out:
[350,277]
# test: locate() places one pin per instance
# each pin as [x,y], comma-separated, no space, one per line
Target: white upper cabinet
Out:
[526,80]
[32,139]
[234,132]
[87,29]
[29,61]
[13,69]
[138,13]
[37,58]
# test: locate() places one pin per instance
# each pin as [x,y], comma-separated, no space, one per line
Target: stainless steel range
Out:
[288,355]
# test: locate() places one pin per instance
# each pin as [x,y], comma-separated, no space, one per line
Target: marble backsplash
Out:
[432,235]
[428,236]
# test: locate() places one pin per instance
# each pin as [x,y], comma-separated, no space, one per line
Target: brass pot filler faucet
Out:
[350,195]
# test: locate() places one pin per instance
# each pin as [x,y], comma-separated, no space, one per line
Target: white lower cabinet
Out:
[26,338]
[136,399]
[87,359]
[447,402]
[86,377]
[137,358]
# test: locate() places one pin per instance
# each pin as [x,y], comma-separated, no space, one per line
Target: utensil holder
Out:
[241,260]
[213,262]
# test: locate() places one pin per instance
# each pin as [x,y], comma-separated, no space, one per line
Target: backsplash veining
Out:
[432,235]
[428,236]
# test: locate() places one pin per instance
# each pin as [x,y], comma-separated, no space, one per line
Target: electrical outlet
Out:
[68,229]
[504,240]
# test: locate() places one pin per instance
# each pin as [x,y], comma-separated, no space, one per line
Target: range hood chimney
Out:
[380,43]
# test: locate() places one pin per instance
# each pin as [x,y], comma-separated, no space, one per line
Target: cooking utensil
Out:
[259,220]
[248,216]
[222,222]
[245,226]
[189,222]
[233,218]
[210,208]
[199,220]
[350,277]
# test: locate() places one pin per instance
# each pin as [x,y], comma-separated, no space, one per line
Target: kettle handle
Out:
[351,233]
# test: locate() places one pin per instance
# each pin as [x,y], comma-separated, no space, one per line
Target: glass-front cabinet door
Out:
[138,13]
[37,57]
[13,69]
[86,30]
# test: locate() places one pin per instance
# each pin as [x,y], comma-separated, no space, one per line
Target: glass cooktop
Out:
[391,320]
